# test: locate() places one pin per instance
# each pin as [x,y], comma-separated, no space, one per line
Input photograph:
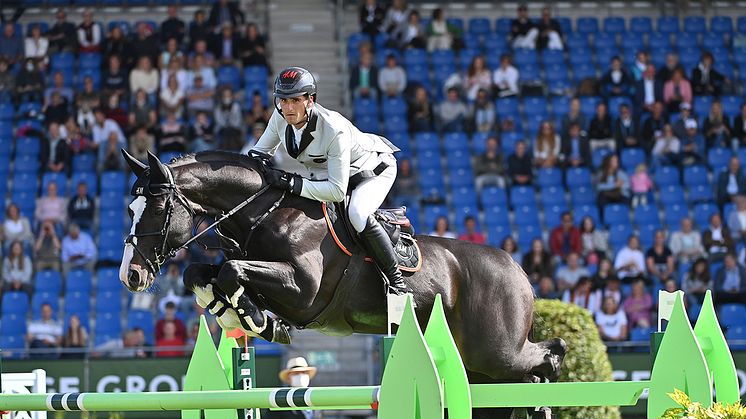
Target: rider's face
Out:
[295,109]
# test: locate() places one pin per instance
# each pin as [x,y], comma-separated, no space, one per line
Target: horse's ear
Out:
[158,171]
[137,167]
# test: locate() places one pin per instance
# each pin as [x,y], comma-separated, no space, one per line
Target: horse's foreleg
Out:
[238,279]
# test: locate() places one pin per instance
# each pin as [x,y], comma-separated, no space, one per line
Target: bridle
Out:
[174,194]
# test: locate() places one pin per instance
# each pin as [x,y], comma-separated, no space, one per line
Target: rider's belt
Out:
[363,175]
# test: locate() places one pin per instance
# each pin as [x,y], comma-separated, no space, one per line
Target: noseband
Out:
[161,254]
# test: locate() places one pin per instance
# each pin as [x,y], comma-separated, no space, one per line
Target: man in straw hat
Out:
[296,374]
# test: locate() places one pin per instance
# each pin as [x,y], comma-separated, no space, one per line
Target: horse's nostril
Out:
[133,278]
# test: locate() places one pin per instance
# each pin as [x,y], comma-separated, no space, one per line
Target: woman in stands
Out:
[537,262]
[547,149]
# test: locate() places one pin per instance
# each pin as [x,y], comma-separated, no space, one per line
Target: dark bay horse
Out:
[289,264]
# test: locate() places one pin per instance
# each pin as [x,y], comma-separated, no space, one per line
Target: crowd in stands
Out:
[633,144]
[71,96]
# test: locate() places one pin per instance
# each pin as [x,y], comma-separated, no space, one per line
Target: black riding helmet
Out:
[294,82]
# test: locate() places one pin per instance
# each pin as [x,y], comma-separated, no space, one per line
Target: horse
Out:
[285,259]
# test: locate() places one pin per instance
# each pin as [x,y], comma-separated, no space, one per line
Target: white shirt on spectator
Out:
[392,78]
[624,257]
[611,324]
[36,48]
[101,133]
[45,330]
[95,38]
[506,80]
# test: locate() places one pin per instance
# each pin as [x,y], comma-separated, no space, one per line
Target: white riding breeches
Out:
[369,195]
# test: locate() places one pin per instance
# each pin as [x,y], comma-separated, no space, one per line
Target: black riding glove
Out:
[284,180]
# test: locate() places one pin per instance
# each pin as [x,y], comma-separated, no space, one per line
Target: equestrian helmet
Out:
[294,82]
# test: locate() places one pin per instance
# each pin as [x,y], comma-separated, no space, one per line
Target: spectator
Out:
[523,32]
[739,126]
[546,289]
[17,270]
[489,167]
[652,128]
[131,346]
[565,238]
[62,35]
[371,17]
[594,242]
[637,70]
[253,47]
[140,143]
[199,28]
[630,262]
[51,207]
[104,128]
[225,47]
[697,281]
[440,34]
[519,165]
[666,72]
[452,112]
[471,234]
[7,80]
[81,208]
[717,127]
[442,228]
[638,306]
[537,262]
[737,220]
[169,340]
[56,110]
[170,288]
[172,135]
[676,91]
[75,338]
[600,132]
[200,48]
[731,182]
[659,259]
[510,247]
[115,78]
[78,142]
[505,78]
[685,114]
[200,69]
[550,32]
[692,144]
[604,274]
[56,158]
[392,79]
[483,113]
[225,12]
[569,274]
[29,83]
[174,68]
[199,97]
[413,35]
[616,81]
[717,239]
[58,85]
[730,282]
[173,27]
[47,248]
[36,46]
[86,101]
[145,43]
[44,333]
[575,148]
[648,91]
[78,250]
[89,34]
[574,116]
[11,44]
[142,113]
[547,150]
[613,183]
[16,227]
[405,186]
[612,288]
[201,133]
[611,321]
[626,131]
[686,244]
[117,44]
[228,119]
[581,295]
[667,148]
[113,110]
[170,54]
[477,77]
[705,79]
[363,78]
[169,316]
[395,21]
[109,155]
[144,77]
[172,98]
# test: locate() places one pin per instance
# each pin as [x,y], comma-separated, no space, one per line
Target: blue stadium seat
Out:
[464,196]
[631,157]
[113,181]
[493,196]
[526,215]
[479,26]
[589,210]
[587,25]
[732,315]
[255,74]
[614,24]
[109,325]
[48,281]
[641,24]
[588,105]
[674,213]
[432,213]
[646,215]
[496,215]
[365,107]
[731,105]
[15,302]
[84,163]
[549,177]
[11,342]
[672,194]
[455,141]
[659,40]
[368,124]
[13,324]
[603,40]
[497,233]
[462,177]
[616,214]
[28,146]
[640,334]
[107,279]
[62,61]
[230,76]
[618,235]
[41,298]
[109,302]
[552,195]
[578,176]
[79,280]
[736,333]
[522,196]
[426,141]
[507,106]
[58,179]
[702,104]
[503,25]
[700,193]
[695,24]
[28,164]
[577,42]
[415,56]
[553,215]
[712,41]
[695,175]
[24,182]
[582,195]
[668,24]
[89,178]
[550,57]
[647,234]
[526,234]
[458,159]
[666,175]
[702,212]
[718,158]
[721,24]
[144,320]
[89,60]
[78,302]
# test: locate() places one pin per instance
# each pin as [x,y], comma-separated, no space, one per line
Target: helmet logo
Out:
[290,74]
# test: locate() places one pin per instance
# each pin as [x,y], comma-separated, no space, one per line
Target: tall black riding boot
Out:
[380,248]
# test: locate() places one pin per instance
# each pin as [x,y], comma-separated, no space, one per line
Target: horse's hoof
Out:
[280,333]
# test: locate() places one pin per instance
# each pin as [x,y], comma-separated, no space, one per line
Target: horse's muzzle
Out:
[138,278]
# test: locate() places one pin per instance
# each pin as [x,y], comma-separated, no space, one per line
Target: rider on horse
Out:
[340,159]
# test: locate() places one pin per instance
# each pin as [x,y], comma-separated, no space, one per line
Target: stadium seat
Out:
[578,176]
[614,25]
[721,24]
[522,196]
[618,235]
[672,194]
[526,215]
[582,195]
[58,179]
[85,162]
[549,177]
[674,213]
[48,281]
[79,280]
[78,302]
[432,213]
[702,213]
[479,26]
[455,141]
[391,106]
[15,302]
[631,157]
[497,233]
[646,215]
[736,333]
[493,196]
[41,298]
[12,324]
[229,75]
[587,25]
[732,315]
[89,178]
[695,175]
[107,279]
[526,234]
[496,215]
[666,175]
[668,24]
[552,195]
[616,214]
[553,215]
[503,25]
[641,24]
[700,193]
[109,302]
[581,211]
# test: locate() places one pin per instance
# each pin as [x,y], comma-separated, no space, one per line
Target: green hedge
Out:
[586,358]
